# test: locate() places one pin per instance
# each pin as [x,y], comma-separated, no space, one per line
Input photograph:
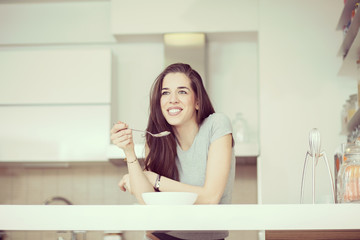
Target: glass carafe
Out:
[348,184]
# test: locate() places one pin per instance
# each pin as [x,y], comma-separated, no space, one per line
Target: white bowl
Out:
[169,198]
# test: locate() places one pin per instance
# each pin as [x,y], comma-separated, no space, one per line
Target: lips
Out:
[173,111]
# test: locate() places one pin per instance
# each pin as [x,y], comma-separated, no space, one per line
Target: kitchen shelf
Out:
[346,14]
[350,46]
[354,121]
[241,151]
[349,66]
[350,35]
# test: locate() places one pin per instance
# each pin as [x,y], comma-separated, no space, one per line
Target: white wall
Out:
[299,90]
[136,66]
[233,77]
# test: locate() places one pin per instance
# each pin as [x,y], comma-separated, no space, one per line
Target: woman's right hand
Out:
[121,136]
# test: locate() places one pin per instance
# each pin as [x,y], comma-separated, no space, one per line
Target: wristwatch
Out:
[157,183]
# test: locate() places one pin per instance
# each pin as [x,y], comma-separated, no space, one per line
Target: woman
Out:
[196,157]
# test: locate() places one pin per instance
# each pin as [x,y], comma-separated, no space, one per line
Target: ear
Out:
[197,105]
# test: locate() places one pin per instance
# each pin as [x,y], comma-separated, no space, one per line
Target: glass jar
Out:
[240,129]
[348,184]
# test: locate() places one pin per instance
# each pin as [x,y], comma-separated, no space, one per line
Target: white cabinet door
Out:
[55,76]
[163,16]
[55,22]
[54,133]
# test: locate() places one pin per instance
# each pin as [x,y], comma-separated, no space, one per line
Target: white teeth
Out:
[174,110]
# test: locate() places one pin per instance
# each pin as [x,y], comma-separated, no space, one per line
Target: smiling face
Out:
[178,101]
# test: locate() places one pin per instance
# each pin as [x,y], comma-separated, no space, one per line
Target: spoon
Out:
[160,134]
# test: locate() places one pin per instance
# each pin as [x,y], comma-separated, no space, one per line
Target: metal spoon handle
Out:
[161,134]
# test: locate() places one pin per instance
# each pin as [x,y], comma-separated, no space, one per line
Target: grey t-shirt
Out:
[192,167]
[192,162]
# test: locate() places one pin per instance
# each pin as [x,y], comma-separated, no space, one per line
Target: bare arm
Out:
[217,172]
[122,137]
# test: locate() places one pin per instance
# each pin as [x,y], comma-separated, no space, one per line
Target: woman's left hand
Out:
[124,184]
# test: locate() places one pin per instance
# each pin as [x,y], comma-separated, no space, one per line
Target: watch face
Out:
[157,183]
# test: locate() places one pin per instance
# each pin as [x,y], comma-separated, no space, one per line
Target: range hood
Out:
[187,48]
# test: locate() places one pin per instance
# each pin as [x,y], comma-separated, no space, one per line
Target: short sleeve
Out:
[221,126]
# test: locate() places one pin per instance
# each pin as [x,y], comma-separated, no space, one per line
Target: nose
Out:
[174,98]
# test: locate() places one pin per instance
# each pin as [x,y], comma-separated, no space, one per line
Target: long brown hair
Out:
[162,154]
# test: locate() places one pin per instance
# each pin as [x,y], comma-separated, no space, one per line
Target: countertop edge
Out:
[180,217]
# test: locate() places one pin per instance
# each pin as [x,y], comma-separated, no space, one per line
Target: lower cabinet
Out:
[312,234]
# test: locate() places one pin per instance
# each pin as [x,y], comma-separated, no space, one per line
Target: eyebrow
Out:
[181,87]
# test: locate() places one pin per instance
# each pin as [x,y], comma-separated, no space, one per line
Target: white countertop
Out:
[185,217]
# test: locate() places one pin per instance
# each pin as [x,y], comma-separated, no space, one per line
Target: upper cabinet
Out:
[162,16]
[55,22]
[55,76]
[54,133]
[55,105]
[349,22]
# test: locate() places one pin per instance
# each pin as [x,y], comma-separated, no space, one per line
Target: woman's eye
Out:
[165,93]
[182,92]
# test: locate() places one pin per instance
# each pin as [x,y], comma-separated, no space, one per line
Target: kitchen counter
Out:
[185,217]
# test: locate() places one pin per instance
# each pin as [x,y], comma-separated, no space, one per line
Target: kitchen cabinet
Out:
[49,24]
[312,234]
[54,133]
[66,76]
[55,105]
[161,16]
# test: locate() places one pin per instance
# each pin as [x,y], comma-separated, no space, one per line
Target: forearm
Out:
[139,182]
[135,182]
[205,194]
